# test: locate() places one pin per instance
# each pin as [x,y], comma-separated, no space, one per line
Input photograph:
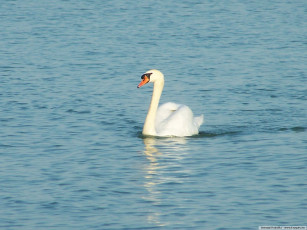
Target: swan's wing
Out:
[165,111]
[176,120]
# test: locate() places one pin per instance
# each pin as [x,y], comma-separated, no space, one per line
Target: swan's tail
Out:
[199,120]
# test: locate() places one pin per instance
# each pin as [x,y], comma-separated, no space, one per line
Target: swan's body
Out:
[169,119]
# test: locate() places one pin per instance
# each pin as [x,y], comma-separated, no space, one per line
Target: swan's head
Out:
[152,75]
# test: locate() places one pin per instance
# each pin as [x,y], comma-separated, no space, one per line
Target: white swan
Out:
[169,119]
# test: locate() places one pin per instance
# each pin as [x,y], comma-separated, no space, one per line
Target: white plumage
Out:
[170,119]
[176,120]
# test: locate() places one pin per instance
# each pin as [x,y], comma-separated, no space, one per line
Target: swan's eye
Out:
[146,75]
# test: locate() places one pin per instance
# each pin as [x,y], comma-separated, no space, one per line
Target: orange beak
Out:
[144,81]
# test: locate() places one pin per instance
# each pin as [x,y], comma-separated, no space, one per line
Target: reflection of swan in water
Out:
[174,144]
[150,184]
[150,150]
[155,171]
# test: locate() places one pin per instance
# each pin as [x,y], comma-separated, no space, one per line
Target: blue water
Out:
[72,155]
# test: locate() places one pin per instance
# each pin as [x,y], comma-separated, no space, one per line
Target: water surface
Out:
[71,150]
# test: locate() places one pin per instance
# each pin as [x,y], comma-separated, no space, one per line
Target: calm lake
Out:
[72,154]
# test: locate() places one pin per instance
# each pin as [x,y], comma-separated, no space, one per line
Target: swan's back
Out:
[176,120]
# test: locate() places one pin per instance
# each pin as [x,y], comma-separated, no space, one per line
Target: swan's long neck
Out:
[149,125]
